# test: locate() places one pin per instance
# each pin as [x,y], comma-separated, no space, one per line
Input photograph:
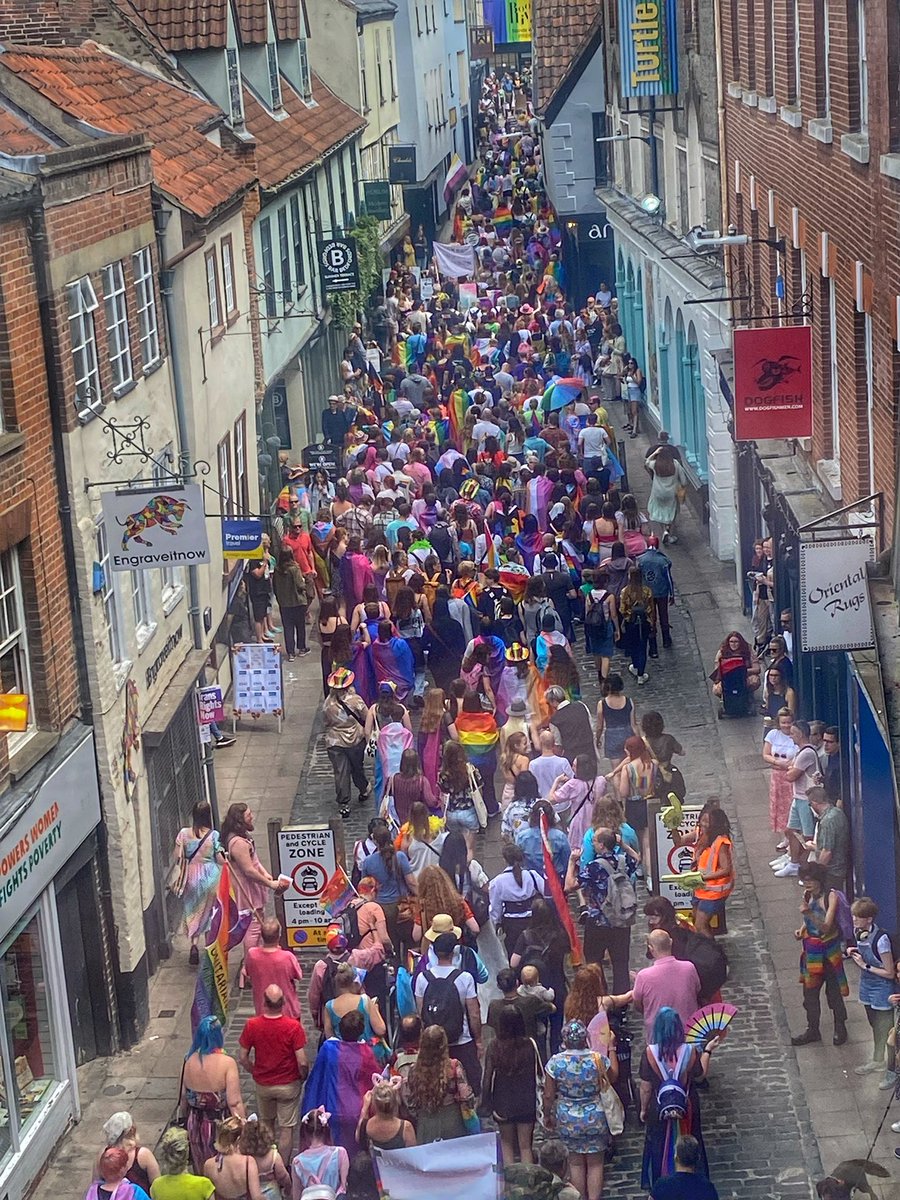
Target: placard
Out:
[307,854]
[242,537]
[377,193]
[339,264]
[256,671]
[835,608]
[209,704]
[468,295]
[773,382]
[669,859]
[154,528]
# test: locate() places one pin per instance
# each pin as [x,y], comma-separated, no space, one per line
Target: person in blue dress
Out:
[573,1108]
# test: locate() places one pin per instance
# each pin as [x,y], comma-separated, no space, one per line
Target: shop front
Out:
[52,979]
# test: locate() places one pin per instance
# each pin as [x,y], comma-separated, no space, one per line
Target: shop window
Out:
[15,666]
[26,1010]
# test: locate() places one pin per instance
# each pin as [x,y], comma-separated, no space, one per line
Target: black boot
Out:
[840,1033]
[807,1038]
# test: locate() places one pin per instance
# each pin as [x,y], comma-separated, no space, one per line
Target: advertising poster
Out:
[773,383]
[242,537]
[149,528]
[256,671]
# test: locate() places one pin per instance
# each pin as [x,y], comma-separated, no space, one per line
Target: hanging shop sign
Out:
[377,194]
[151,529]
[307,855]
[835,608]
[773,383]
[402,164]
[481,41]
[339,263]
[510,20]
[242,537]
[648,45]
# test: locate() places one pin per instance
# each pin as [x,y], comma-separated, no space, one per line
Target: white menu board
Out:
[256,671]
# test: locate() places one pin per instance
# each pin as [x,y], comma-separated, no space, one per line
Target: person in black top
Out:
[561,592]
[831,744]
[334,422]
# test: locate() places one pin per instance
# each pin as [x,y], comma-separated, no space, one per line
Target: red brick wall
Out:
[855,204]
[29,506]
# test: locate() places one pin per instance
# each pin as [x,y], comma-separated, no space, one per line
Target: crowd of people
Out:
[478,527]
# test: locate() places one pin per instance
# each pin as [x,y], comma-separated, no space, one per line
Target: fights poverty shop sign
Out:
[648,44]
[153,528]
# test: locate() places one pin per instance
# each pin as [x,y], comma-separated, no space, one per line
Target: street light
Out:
[627,137]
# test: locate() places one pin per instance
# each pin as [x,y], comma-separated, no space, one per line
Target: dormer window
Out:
[235,96]
[274,77]
[305,77]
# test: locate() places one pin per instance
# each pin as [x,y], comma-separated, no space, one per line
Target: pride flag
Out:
[502,220]
[515,583]
[455,178]
[478,736]
[459,403]
[226,930]
[559,896]
[337,894]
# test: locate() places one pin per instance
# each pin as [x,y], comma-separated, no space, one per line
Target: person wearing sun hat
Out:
[344,717]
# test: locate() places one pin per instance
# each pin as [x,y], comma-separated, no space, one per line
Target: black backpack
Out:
[442,1006]
[329,990]
[441,542]
[350,926]
[709,960]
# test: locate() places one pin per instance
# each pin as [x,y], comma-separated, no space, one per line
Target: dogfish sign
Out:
[148,529]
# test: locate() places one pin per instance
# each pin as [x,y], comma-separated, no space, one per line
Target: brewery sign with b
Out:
[307,855]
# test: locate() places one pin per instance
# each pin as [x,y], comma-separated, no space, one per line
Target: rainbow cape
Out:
[403,355]
[226,930]
[478,735]
[515,583]
[503,220]
[338,893]
[457,406]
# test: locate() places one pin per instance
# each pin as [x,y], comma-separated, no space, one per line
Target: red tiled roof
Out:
[17,136]
[252,21]
[115,96]
[287,19]
[560,30]
[291,145]
[192,25]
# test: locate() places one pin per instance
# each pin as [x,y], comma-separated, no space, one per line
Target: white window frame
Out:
[118,338]
[863,68]
[826,53]
[82,302]
[148,320]
[109,597]
[835,376]
[378,71]
[229,295]
[390,54]
[305,72]
[274,76]
[11,597]
[241,483]
[223,466]
[796,52]
[235,87]
[213,296]
[171,578]
[144,625]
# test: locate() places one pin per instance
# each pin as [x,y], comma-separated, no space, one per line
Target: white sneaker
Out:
[633,670]
[895,1127]
[868,1068]
[779,861]
[642,678]
[788,870]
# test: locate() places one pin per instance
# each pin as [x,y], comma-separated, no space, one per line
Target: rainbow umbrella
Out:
[563,392]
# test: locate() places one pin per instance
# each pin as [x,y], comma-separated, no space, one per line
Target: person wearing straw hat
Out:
[344,716]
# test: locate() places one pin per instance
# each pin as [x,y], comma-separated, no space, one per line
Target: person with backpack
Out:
[606,883]
[638,622]
[601,622]
[322,982]
[822,959]
[874,955]
[669,1071]
[512,894]
[446,996]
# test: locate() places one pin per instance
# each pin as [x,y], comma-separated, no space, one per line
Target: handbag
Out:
[538,1085]
[609,1099]
[477,797]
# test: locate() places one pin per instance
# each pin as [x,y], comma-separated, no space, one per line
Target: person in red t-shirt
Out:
[278,1065]
[267,964]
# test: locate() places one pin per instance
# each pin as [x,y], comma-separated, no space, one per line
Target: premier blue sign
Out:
[648,43]
[242,537]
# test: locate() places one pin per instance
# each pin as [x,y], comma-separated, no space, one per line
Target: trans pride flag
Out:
[226,930]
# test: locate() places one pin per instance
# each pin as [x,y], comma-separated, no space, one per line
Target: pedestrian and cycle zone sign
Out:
[307,855]
[669,859]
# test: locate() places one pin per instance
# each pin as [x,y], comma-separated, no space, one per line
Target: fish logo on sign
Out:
[162,511]
[772,372]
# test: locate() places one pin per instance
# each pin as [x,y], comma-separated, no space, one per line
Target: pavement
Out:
[773,1114]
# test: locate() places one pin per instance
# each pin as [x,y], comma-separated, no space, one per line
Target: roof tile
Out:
[560,29]
[285,148]
[287,19]
[198,25]
[18,137]
[115,96]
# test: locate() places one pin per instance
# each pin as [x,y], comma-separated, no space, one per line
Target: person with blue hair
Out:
[210,1089]
[669,1070]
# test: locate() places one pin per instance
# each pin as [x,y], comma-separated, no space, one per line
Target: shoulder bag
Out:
[609,1099]
[538,1085]
[477,797]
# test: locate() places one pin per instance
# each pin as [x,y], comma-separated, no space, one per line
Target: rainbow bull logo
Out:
[162,511]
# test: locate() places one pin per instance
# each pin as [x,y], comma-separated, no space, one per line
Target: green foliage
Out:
[346,305]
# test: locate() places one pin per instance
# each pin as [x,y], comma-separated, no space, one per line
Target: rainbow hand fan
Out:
[707,1022]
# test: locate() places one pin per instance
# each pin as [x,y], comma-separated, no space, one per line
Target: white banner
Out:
[453,260]
[835,609]
[149,529]
[467,1166]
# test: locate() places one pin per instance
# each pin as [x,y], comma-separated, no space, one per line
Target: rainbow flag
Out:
[338,893]
[403,356]
[478,736]
[559,896]
[226,930]
[515,583]
[491,558]
[503,220]
[457,406]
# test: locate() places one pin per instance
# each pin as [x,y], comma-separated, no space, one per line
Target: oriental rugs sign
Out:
[835,609]
[648,44]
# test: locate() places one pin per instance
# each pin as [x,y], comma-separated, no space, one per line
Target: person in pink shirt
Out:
[667,982]
[418,471]
[269,963]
